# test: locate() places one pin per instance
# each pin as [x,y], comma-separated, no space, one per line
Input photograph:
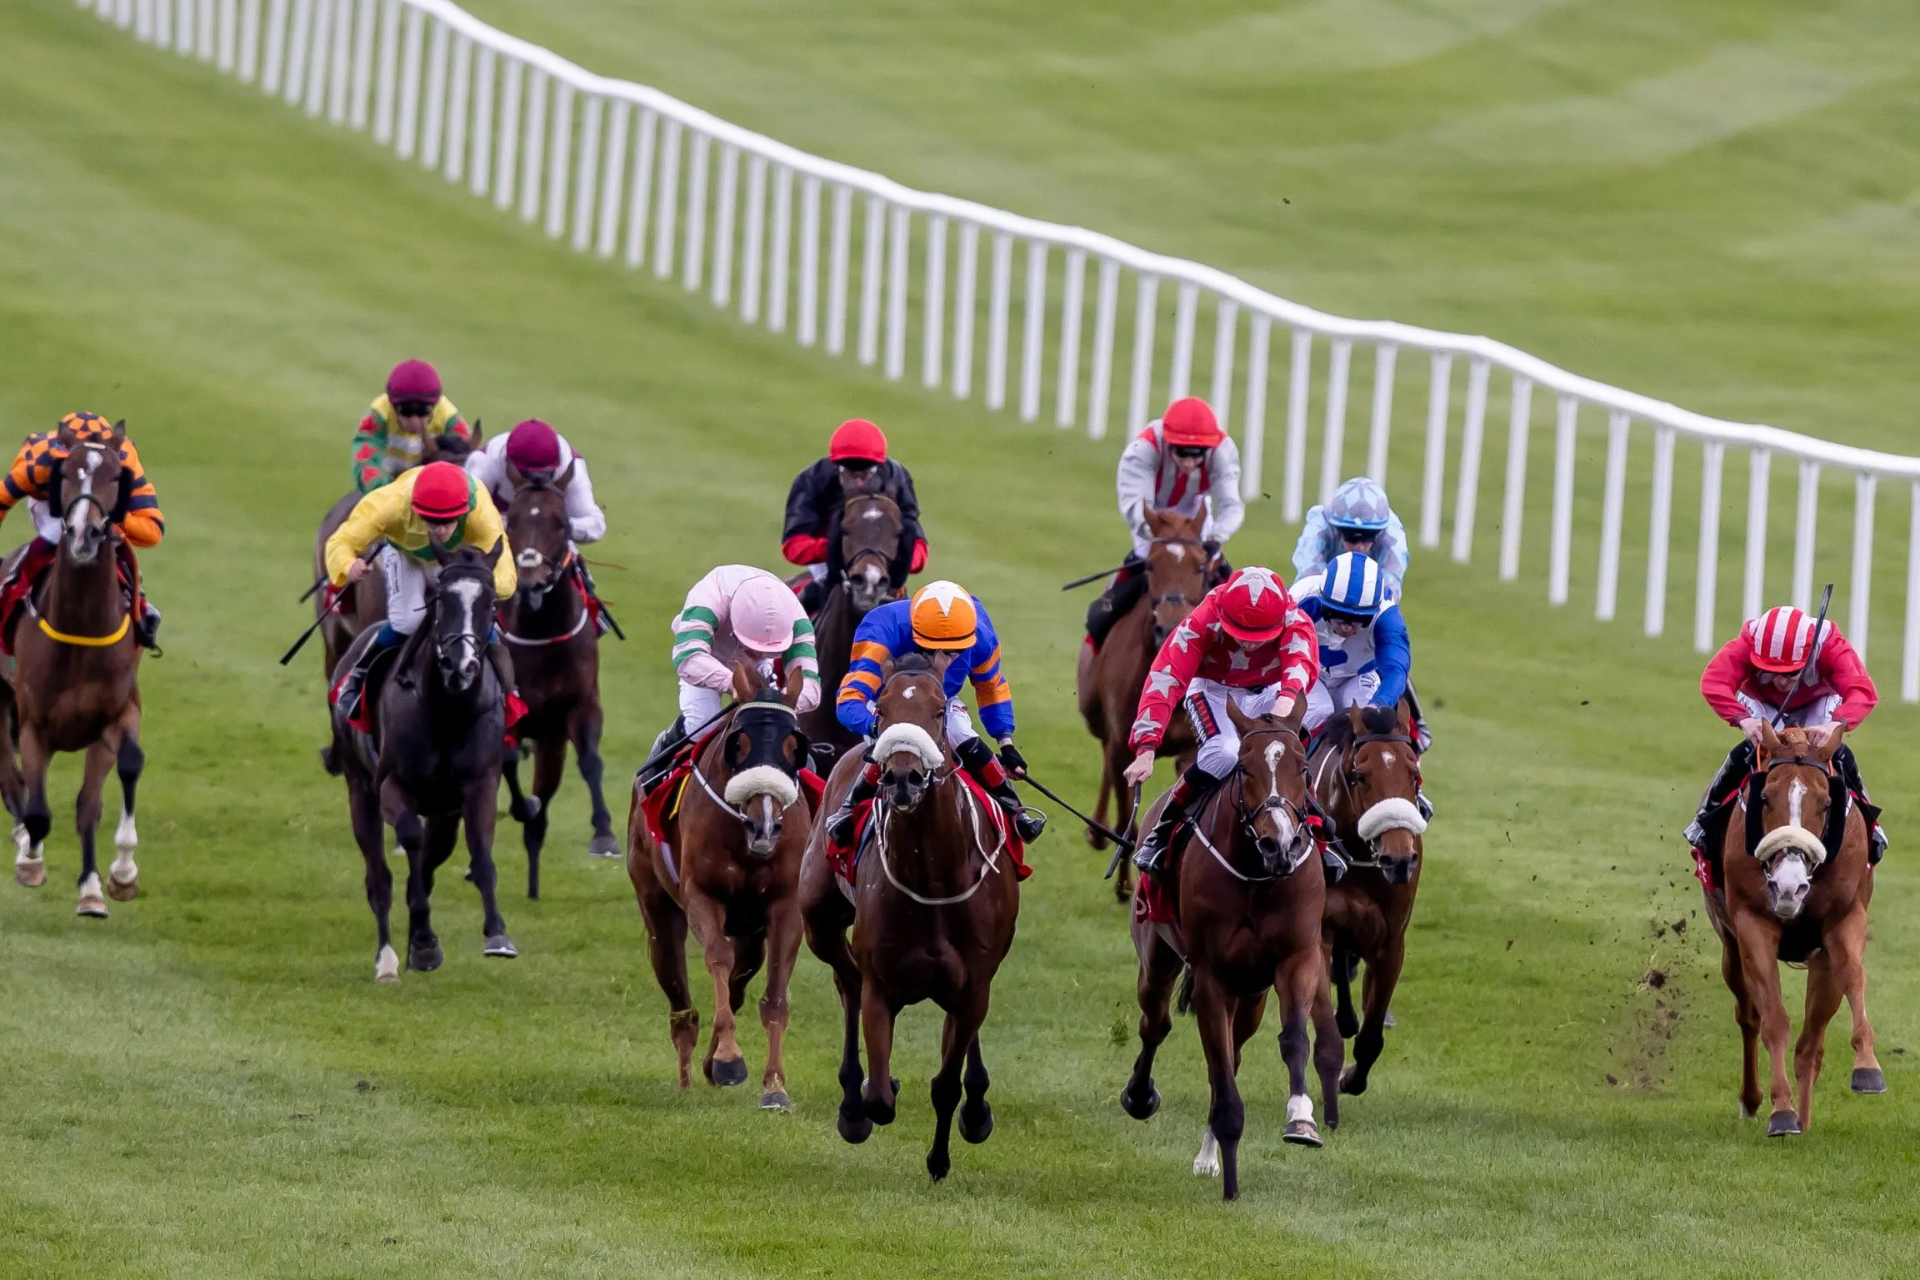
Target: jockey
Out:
[1247,641]
[856,464]
[437,505]
[1357,519]
[393,436]
[942,621]
[737,613]
[138,517]
[1182,463]
[1364,654]
[1745,682]
[534,450]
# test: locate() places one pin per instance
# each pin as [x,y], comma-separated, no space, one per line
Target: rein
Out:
[1839,803]
[1245,817]
[1346,776]
[970,809]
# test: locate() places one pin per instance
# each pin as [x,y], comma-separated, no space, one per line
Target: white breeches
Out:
[407,582]
[43,522]
[700,705]
[1206,707]
[1328,697]
[818,572]
[1814,713]
[959,723]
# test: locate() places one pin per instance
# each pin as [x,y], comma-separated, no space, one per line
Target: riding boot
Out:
[813,596]
[347,696]
[1194,784]
[661,752]
[1848,768]
[146,626]
[516,707]
[601,622]
[1710,822]
[865,787]
[1128,584]
[977,758]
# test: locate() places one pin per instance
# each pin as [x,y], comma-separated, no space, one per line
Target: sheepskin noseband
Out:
[896,738]
[1390,815]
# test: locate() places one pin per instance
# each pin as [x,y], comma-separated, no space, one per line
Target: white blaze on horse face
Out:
[89,463]
[1276,751]
[467,592]
[1178,549]
[1386,757]
[908,692]
[1796,792]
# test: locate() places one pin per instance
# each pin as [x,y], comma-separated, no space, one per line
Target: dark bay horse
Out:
[1796,884]
[433,761]
[731,870]
[1110,678]
[863,577]
[363,604]
[1366,776]
[1249,896]
[933,915]
[76,675]
[556,663]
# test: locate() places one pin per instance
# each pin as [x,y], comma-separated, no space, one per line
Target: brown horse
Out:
[933,914]
[1249,896]
[363,604]
[1366,776]
[1795,887]
[556,663]
[869,542]
[1110,678]
[76,679]
[731,870]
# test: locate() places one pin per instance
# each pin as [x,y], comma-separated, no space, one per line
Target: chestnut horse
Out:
[556,663]
[869,542]
[933,914]
[1795,887]
[1249,896]
[731,870]
[1366,776]
[76,676]
[1109,679]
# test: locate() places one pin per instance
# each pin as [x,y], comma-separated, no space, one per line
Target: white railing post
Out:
[1659,526]
[1299,374]
[1433,478]
[1612,508]
[480,140]
[899,241]
[1514,501]
[1753,591]
[1254,442]
[203,44]
[1139,413]
[299,26]
[319,46]
[507,166]
[1100,378]
[387,82]
[1380,427]
[360,97]
[646,140]
[274,60]
[999,304]
[405,128]
[807,326]
[753,242]
[533,145]
[1226,324]
[1707,571]
[432,129]
[966,271]
[613,178]
[1805,525]
[1860,591]
[559,160]
[873,248]
[694,244]
[161,18]
[185,22]
[1466,497]
[340,62]
[1180,377]
[1033,327]
[249,52]
[725,200]
[1333,451]
[1072,302]
[1910,641]
[932,323]
[225,48]
[1560,538]
[782,235]
[666,199]
[586,192]
[837,270]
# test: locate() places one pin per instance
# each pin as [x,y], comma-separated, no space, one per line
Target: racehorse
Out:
[1793,888]
[556,662]
[433,760]
[76,676]
[1248,897]
[933,912]
[1366,777]
[730,868]
[1109,679]
[868,535]
[363,604]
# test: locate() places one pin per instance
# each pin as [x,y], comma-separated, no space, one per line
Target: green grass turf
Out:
[211,1084]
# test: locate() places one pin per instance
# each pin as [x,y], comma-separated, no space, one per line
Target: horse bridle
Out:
[1839,801]
[1245,818]
[56,480]
[1350,777]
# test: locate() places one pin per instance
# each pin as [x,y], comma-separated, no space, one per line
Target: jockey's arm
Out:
[370,520]
[853,704]
[1392,657]
[803,532]
[693,634]
[1310,552]
[1840,664]
[803,654]
[991,692]
[586,521]
[1227,510]
[369,443]
[1725,671]
[485,530]
[1133,481]
[143,525]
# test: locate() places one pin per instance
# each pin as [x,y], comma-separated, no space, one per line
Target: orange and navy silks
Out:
[887,632]
[845,859]
[31,476]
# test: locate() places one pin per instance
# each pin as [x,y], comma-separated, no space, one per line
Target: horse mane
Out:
[913,664]
[1380,719]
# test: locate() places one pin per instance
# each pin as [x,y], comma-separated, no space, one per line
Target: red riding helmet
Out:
[442,492]
[1190,422]
[856,439]
[413,380]
[1254,605]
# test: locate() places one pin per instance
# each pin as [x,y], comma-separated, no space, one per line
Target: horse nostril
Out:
[1268,846]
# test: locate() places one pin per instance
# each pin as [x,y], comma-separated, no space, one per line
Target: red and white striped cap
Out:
[1782,637]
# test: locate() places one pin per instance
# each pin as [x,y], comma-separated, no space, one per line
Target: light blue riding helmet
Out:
[1359,504]
[1352,587]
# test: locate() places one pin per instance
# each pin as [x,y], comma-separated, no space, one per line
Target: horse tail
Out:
[1183,1002]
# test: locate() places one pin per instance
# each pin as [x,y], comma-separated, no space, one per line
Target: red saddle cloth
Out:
[34,563]
[661,804]
[361,716]
[845,859]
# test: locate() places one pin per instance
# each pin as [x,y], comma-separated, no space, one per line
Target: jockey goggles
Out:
[1189,450]
[414,409]
[1350,534]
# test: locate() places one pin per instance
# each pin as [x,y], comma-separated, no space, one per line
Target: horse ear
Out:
[440,553]
[479,434]
[940,660]
[1356,719]
[565,478]
[1152,518]
[65,437]
[1241,720]
[744,684]
[1833,741]
[1297,717]
[796,683]
[514,477]
[119,436]
[1769,741]
[499,549]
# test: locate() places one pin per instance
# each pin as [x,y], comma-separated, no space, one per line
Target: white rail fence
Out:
[624,170]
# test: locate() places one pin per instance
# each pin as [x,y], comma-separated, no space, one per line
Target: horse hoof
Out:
[123,892]
[1783,1124]
[1302,1133]
[524,811]
[776,1100]
[1348,1024]
[722,1072]
[424,958]
[500,947]
[1869,1080]
[386,966]
[92,905]
[856,1129]
[881,1113]
[976,1126]
[604,847]
[1352,1083]
[1749,1112]
[1140,1108]
[938,1165]
[31,872]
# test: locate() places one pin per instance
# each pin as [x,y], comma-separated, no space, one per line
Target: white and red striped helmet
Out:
[1782,637]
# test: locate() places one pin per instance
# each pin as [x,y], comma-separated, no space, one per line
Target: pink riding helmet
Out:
[762,613]
[534,446]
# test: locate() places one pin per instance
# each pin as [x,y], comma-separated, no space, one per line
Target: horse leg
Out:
[724,1064]
[1117,763]
[123,877]
[1297,983]
[1094,838]
[549,763]
[423,949]
[1763,990]
[1383,975]
[36,819]
[783,949]
[976,1114]
[1341,965]
[1810,1050]
[1848,947]
[1226,1116]
[881,1094]
[1749,1020]
[1159,969]
[586,749]
[86,819]
[826,921]
[956,1045]
[1329,1051]
[478,814]
[667,948]
[370,833]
